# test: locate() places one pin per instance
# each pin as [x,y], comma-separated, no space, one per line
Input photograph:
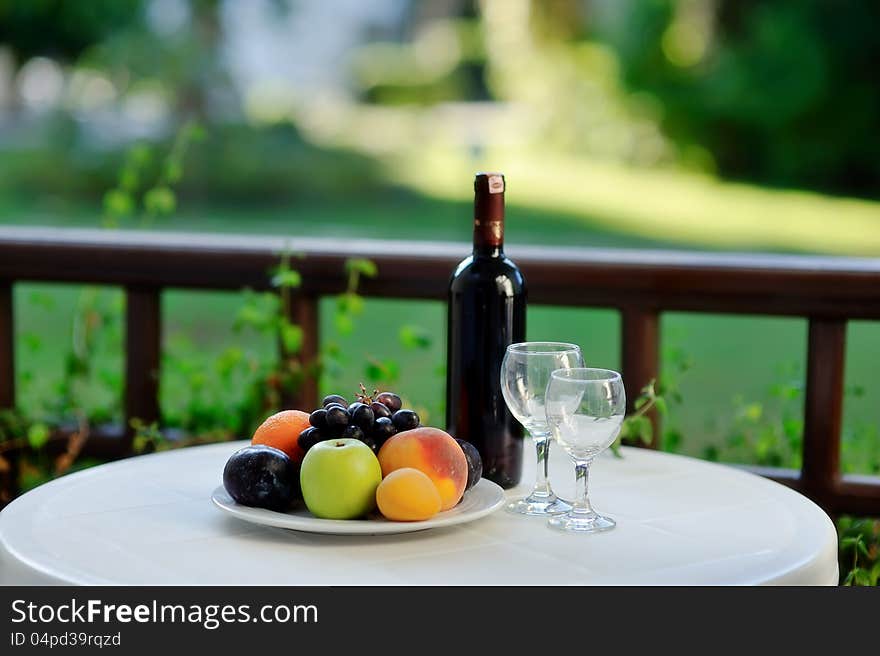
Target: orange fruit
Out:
[407,495]
[282,430]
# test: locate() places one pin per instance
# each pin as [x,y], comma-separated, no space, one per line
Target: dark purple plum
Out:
[405,420]
[263,477]
[474,461]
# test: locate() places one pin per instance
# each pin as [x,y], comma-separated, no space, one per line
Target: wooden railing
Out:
[639,284]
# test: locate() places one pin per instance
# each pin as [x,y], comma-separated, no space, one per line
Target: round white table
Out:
[150,520]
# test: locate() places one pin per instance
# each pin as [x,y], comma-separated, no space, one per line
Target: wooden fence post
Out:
[640,358]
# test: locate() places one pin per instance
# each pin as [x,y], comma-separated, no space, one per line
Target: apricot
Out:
[433,452]
[282,430]
[407,495]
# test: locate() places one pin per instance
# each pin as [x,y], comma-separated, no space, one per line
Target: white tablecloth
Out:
[149,520]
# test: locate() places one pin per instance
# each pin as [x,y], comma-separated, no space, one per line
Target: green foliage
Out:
[414,337]
[143,182]
[859,551]
[637,426]
[37,435]
[159,200]
[147,437]
[774,92]
[57,27]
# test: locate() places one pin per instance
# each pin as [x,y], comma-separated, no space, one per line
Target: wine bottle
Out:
[487,312]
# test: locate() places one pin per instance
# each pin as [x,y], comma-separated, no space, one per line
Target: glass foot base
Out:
[541,506]
[581,523]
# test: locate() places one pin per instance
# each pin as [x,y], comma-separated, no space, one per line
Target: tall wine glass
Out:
[585,409]
[525,371]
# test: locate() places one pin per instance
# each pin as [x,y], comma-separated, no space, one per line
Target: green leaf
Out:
[118,203]
[43,300]
[382,371]
[139,155]
[38,435]
[286,278]
[140,443]
[753,411]
[196,132]
[362,266]
[343,322]
[615,448]
[160,201]
[253,316]
[793,429]
[229,359]
[645,430]
[32,342]
[862,577]
[350,303]
[672,439]
[848,542]
[172,171]
[414,337]
[291,337]
[660,404]
[129,179]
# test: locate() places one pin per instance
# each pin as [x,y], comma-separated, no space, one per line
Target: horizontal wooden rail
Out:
[828,291]
[831,287]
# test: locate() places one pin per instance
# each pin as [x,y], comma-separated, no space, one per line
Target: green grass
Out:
[391,215]
[732,356]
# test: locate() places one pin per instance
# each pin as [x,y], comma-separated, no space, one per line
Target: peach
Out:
[434,453]
[407,495]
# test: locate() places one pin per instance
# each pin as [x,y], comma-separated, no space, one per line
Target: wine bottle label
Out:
[495,230]
[496,184]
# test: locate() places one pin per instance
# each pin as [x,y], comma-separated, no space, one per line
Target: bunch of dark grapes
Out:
[370,419]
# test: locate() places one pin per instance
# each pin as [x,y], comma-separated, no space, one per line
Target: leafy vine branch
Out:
[638,426]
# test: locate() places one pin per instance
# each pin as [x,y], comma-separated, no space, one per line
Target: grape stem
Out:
[363,397]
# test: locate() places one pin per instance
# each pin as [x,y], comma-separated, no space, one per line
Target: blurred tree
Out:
[185,65]
[781,93]
[63,29]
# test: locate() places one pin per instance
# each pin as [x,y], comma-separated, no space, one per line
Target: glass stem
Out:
[542,449]
[582,487]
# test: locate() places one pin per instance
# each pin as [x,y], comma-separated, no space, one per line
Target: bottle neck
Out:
[489,215]
[488,251]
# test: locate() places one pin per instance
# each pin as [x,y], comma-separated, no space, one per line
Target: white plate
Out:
[482,499]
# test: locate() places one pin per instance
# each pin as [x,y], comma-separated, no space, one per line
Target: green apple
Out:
[339,479]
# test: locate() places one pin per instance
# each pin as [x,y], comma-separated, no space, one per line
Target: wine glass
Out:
[525,371]
[585,409]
